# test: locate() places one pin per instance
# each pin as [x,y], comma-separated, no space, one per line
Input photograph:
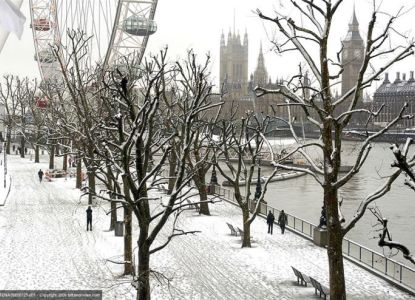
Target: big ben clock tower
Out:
[352,55]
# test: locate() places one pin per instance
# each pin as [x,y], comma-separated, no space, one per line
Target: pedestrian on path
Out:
[270,221]
[40,174]
[89,218]
[282,220]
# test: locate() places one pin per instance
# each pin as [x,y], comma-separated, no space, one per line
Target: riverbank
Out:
[44,245]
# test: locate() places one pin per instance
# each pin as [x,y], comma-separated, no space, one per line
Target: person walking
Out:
[282,220]
[89,218]
[270,221]
[40,174]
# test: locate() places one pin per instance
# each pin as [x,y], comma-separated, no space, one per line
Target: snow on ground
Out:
[44,245]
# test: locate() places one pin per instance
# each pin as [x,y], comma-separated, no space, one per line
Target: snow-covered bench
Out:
[233,230]
[323,290]
[302,279]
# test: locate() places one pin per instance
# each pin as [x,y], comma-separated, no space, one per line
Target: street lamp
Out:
[258,190]
[213,178]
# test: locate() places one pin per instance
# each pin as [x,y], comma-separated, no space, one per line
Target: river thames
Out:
[303,198]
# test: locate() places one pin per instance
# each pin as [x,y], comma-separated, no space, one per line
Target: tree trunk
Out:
[247,227]
[113,215]
[8,140]
[37,151]
[172,175]
[52,157]
[113,218]
[334,246]
[204,206]
[78,171]
[199,180]
[22,146]
[128,251]
[143,290]
[91,185]
[65,162]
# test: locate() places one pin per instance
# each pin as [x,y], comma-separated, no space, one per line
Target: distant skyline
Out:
[184,24]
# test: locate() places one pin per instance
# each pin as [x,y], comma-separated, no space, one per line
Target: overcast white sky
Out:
[185,24]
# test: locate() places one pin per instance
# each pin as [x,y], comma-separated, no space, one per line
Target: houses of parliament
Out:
[239,88]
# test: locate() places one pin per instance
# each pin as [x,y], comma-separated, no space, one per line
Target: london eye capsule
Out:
[45,56]
[41,24]
[139,26]
[41,102]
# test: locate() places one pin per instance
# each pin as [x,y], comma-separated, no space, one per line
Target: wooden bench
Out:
[323,290]
[302,279]
[193,205]
[233,230]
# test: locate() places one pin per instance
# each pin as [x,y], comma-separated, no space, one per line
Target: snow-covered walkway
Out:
[44,245]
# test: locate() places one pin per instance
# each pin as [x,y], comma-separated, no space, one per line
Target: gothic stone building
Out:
[234,81]
[239,90]
[393,95]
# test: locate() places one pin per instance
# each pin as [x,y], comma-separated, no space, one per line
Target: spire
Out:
[353,33]
[246,38]
[234,21]
[261,63]
[260,74]
[354,18]
[222,39]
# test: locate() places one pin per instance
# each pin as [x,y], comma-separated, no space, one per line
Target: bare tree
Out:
[80,82]
[244,144]
[38,111]
[310,39]
[404,164]
[134,134]
[193,83]
[9,93]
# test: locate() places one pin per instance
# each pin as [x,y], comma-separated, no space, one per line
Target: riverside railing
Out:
[379,264]
[301,226]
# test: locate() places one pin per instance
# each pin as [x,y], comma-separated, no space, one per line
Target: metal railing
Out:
[399,274]
[389,268]
[301,226]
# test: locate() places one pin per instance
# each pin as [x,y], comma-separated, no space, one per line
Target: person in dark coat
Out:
[40,174]
[282,220]
[89,218]
[270,221]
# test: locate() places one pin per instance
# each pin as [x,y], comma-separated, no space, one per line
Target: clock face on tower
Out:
[357,54]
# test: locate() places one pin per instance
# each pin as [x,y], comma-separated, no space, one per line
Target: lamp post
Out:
[213,178]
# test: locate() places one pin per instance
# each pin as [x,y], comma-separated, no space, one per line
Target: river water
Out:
[303,198]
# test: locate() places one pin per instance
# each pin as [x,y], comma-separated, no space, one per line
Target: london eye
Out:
[118,29]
